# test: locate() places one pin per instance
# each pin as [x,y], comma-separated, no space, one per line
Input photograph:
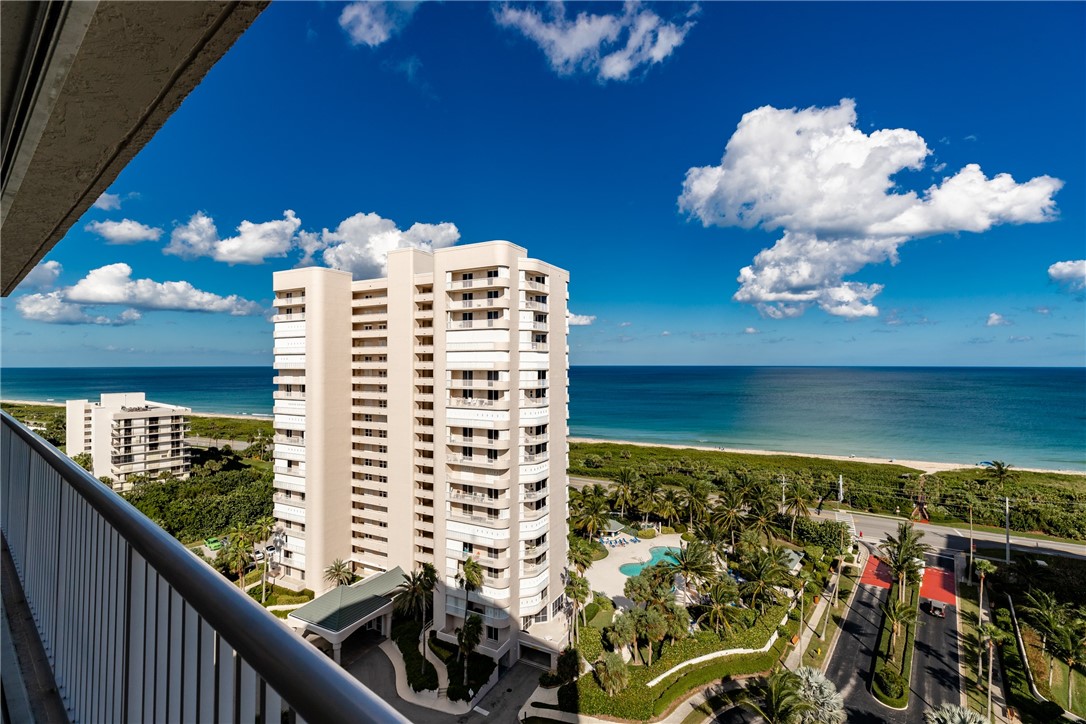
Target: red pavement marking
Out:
[938,585]
[877,573]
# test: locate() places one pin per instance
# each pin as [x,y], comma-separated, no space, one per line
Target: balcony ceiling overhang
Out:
[85,85]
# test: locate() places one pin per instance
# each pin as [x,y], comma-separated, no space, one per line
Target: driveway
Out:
[935,678]
[850,667]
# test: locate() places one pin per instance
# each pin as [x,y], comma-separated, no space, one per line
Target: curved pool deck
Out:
[605,576]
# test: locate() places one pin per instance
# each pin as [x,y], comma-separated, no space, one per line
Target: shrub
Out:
[593,461]
[479,669]
[689,537]
[890,683]
[667,530]
[590,643]
[680,527]
[646,533]
[569,665]
[421,674]
[591,610]
[442,650]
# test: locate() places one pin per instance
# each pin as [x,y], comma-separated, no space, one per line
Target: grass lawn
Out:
[818,650]
[1059,687]
[977,692]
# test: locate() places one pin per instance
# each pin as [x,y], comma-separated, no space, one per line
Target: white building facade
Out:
[422,418]
[128,435]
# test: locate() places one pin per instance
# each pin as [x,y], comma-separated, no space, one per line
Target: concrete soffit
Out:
[85,85]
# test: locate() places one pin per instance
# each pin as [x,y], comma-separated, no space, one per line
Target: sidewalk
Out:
[999,700]
[428,699]
[794,660]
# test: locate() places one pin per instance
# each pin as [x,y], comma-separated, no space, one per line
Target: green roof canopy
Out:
[344,606]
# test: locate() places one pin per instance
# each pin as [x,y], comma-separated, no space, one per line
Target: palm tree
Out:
[612,673]
[897,613]
[730,514]
[412,598]
[1046,615]
[580,554]
[237,555]
[470,577]
[591,515]
[653,628]
[669,505]
[623,632]
[468,637]
[798,503]
[1000,472]
[648,496]
[721,613]
[623,490]
[984,568]
[577,591]
[338,573]
[989,635]
[1069,642]
[902,553]
[677,620]
[827,704]
[763,523]
[763,572]
[694,495]
[694,562]
[953,714]
[776,698]
[716,540]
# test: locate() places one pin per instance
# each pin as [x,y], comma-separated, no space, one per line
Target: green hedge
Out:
[442,650]
[902,668]
[646,533]
[421,674]
[667,530]
[590,643]
[1014,672]
[480,668]
[638,701]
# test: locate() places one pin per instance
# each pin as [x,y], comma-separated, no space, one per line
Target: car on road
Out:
[213,544]
[258,555]
[937,609]
[270,550]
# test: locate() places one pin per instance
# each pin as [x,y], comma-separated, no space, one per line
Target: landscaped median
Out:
[651,690]
[892,672]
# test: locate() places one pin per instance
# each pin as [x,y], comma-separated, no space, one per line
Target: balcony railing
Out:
[135,627]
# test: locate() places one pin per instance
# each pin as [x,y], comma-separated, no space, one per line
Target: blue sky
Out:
[947,138]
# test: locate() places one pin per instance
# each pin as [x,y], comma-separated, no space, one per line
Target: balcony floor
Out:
[29,690]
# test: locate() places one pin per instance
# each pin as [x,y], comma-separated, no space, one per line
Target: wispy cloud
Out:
[125,231]
[610,46]
[830,187]
[751,330]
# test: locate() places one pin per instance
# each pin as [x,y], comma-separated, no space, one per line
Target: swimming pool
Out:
[659,553]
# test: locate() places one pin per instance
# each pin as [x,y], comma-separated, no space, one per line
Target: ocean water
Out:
[1029,417]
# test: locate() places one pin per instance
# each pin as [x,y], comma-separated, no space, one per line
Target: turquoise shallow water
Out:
[1029,417]
[659,553]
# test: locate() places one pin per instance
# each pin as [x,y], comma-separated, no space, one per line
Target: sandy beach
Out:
[923,465]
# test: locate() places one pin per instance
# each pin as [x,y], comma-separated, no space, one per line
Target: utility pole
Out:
[783,483]
[1007,521]
[970,571]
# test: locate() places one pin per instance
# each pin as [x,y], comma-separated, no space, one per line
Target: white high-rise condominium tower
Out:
[422,418]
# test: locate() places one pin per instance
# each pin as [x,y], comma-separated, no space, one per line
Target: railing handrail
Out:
[315,687]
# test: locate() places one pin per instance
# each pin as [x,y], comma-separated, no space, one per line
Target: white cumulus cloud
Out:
[52,308]
[830,187]
[612,46]
[125,231]
[108,202]
[113,284]
[751,330]
[360,244]
[253,244]
[373,23]
[43,276]
[1071,274]
[581,320]
[997,320]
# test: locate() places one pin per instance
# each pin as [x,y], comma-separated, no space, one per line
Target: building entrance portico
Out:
[364,606]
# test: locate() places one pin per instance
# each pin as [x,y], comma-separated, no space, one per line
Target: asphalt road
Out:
[850,666]
[935,677]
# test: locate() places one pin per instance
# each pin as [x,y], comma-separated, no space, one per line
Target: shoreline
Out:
[239,416]
[926,466]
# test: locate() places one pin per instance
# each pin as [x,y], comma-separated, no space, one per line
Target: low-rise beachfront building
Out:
[422,418]
[127,435]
